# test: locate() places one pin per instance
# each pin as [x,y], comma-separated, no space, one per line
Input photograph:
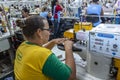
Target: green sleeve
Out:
[55,69]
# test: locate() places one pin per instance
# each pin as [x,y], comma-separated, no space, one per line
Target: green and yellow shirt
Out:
[33,62]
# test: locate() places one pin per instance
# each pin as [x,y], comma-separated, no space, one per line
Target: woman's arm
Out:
[70,59]
[65,71]
[53,42]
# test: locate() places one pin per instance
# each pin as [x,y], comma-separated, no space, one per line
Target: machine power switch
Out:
[115,46]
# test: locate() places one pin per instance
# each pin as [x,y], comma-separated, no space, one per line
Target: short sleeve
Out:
[55,69]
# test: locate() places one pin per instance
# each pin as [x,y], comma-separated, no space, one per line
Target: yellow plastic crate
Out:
[117,64]
[69,34]
[82,25]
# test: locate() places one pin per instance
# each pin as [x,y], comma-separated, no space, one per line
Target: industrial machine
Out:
[80,35]
[100,49]
[83,26]
[103,54]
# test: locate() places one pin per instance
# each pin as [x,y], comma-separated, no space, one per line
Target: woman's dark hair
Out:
[36,6]
[25,9]
[31,25]
[95,0]
[44,8]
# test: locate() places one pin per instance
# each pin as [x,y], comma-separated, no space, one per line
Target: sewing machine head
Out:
[80,35]
[78,27]
[103,55]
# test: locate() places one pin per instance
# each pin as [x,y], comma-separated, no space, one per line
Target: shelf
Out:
[6,74]
[4,59]
[6,67]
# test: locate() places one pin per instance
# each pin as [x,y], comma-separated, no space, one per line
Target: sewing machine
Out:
[100,49]
[104,49]
[83,26]
[80,35]
[103,58]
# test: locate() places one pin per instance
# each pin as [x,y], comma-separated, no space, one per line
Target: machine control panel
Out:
[105,43]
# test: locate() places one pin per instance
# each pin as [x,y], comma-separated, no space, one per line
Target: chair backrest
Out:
[94,18]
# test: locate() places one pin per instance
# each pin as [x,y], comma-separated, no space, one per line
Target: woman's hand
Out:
[53,42]
[68,44]
[58,40]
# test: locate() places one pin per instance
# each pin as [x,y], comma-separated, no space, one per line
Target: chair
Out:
[94,18]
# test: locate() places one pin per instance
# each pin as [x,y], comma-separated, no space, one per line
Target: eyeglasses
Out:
[47,29]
